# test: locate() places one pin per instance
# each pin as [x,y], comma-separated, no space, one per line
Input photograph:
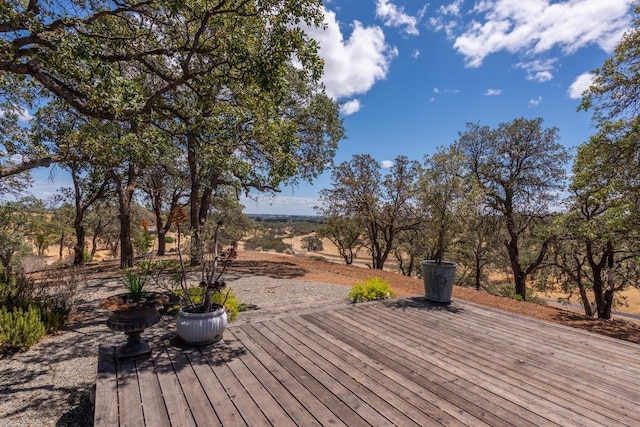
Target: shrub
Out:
[169,239]
[20,329]
[54,313]
[371,289]
[32,308]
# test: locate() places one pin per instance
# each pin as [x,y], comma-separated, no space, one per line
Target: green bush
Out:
[54,313]
[20,329]
[371,289]
[169,239]
[31,308]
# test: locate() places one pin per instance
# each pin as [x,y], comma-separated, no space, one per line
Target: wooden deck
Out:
[404,362]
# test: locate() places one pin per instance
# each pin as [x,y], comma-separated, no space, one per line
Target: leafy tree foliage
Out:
[442,194]
[214,77]
[345,233]
[613,95]
[601,243]
[312,243]
[384,205]
[518,166]
[15,221]
[602,222]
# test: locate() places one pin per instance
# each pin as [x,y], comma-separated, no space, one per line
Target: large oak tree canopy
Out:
[91,54]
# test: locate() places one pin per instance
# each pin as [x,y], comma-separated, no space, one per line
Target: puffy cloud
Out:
[451,9]
[350,107]
[415,54]
[536,26]
[539,71]
[579,85]
[493,92]
[394,16]
[386,164]
[446,18]
[535,102]
[354,65]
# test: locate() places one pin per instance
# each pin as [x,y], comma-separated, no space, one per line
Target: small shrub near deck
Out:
[29,309]
[20,329]
[371,289]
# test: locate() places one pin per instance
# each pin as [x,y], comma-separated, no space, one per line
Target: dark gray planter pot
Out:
[438,280]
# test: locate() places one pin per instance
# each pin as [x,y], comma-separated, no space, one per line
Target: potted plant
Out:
[202,321]
[132,312]
[442,194]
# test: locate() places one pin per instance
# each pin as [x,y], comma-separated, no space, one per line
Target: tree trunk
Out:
[126,247]
[162,245]
[60,251]
[519,276]
[125,195]
[478,274]
[78,249]
[94,245]
[604,300]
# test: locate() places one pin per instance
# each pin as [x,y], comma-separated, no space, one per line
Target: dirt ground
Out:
[299,267]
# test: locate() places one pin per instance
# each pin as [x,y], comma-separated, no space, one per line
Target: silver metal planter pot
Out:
[438,280]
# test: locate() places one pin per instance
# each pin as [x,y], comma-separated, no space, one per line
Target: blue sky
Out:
[411,74]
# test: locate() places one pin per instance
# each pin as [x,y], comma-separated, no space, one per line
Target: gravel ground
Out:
[51,384]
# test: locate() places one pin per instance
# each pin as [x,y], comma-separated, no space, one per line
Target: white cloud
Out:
[415,54]
[350,107]
[447,18]
[386,164]
[352,66]
[394,16]
[579,85]
[453,91]
[535,102]
[451,9]
[535,26]
[493,92]
[539,70]
[541,76]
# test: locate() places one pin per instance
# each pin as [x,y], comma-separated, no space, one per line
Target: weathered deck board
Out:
[532,386]
[403,362]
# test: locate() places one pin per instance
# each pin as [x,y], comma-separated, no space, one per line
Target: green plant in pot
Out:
[203,319]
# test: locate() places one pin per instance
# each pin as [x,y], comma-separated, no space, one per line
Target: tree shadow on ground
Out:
[273,269]
[81,412]
[422,303]
[615,328]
